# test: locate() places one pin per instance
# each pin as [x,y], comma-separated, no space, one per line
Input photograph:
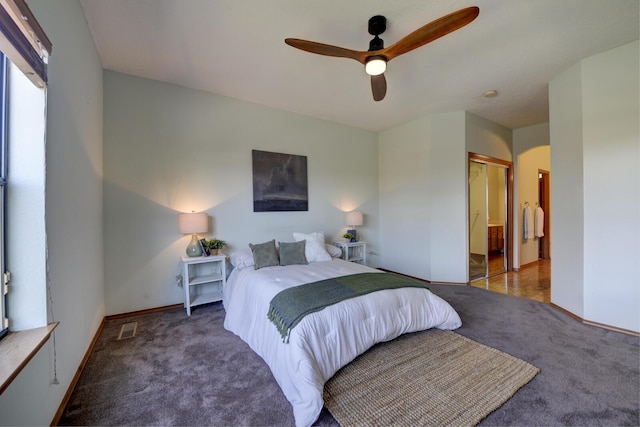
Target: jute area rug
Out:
[429,378]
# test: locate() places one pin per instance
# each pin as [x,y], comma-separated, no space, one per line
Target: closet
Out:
[489,212]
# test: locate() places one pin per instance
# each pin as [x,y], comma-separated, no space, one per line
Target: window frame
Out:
[4,104]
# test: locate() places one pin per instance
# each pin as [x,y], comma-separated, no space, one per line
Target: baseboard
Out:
[567,312]
[423,280]
[611,328]
[76,377]
[450,283]
[145,311]
[527,265]
[402,274]
[596,324]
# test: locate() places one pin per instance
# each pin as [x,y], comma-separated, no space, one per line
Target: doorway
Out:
[544,251]
[490,186]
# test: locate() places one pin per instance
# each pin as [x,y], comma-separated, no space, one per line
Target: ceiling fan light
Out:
[375,66]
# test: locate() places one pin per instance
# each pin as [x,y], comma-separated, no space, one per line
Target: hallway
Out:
[532,282]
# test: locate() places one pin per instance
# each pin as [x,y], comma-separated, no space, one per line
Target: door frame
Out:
[481,158]
[544,250]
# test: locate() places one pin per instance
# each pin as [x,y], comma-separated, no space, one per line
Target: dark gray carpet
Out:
[190,371]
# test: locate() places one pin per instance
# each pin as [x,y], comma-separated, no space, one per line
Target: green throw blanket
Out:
[291,305]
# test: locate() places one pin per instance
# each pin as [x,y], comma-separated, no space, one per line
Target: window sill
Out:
[18,348]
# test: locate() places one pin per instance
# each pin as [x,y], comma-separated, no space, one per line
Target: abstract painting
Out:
[279,182]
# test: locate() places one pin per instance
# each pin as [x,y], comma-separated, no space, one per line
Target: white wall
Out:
[169,149]
[567,189]
[73,205]
[529,163]
[488,138]
[596,188]
[448,199]
[404,186]
[530,137]
[611,117]
[423,199]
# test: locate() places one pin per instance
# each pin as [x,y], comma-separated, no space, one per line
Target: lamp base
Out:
[194,247]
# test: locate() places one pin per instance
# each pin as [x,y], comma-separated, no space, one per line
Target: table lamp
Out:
[193,223]
[354,218]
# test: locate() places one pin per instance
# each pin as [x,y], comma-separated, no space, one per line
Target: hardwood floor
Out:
[532,282]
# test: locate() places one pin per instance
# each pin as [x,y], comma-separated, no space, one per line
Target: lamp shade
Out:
[354,218]
[189,223]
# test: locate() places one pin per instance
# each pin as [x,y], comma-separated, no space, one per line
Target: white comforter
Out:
[324,341]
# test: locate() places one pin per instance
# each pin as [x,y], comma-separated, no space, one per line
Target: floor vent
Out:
[128,330]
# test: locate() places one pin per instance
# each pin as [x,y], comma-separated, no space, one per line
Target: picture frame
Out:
[203,247]
[279,182]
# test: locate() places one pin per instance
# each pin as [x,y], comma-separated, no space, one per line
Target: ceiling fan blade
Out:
[327,49]
[378,87]
[432,31]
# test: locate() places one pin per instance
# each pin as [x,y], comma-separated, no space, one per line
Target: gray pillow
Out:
[292,253]
[264,254]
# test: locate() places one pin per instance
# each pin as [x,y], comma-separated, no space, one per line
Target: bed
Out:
[326,340]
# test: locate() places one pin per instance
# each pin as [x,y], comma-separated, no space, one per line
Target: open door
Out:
[496,219]
[490,195]
[478,236]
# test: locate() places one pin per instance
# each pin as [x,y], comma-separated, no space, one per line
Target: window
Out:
[4,322]
[25,46]
[25,49]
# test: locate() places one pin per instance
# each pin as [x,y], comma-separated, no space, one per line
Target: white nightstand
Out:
[353,251]
[203,279]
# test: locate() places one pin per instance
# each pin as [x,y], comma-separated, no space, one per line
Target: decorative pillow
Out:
[333,250]
[314,248]
[264,254]
[292,253]
[241,259]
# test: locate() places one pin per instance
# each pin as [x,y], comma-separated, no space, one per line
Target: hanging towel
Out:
[528,223]
[539,222]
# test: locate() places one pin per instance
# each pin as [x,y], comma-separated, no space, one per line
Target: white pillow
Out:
[333,250]
[241,259]
[314,249]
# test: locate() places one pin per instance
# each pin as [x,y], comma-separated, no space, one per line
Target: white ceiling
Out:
[236,48]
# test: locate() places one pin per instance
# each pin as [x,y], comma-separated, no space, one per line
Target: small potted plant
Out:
[350,237]
[214,245]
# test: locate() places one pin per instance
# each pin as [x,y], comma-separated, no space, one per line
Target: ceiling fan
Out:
[376,58]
